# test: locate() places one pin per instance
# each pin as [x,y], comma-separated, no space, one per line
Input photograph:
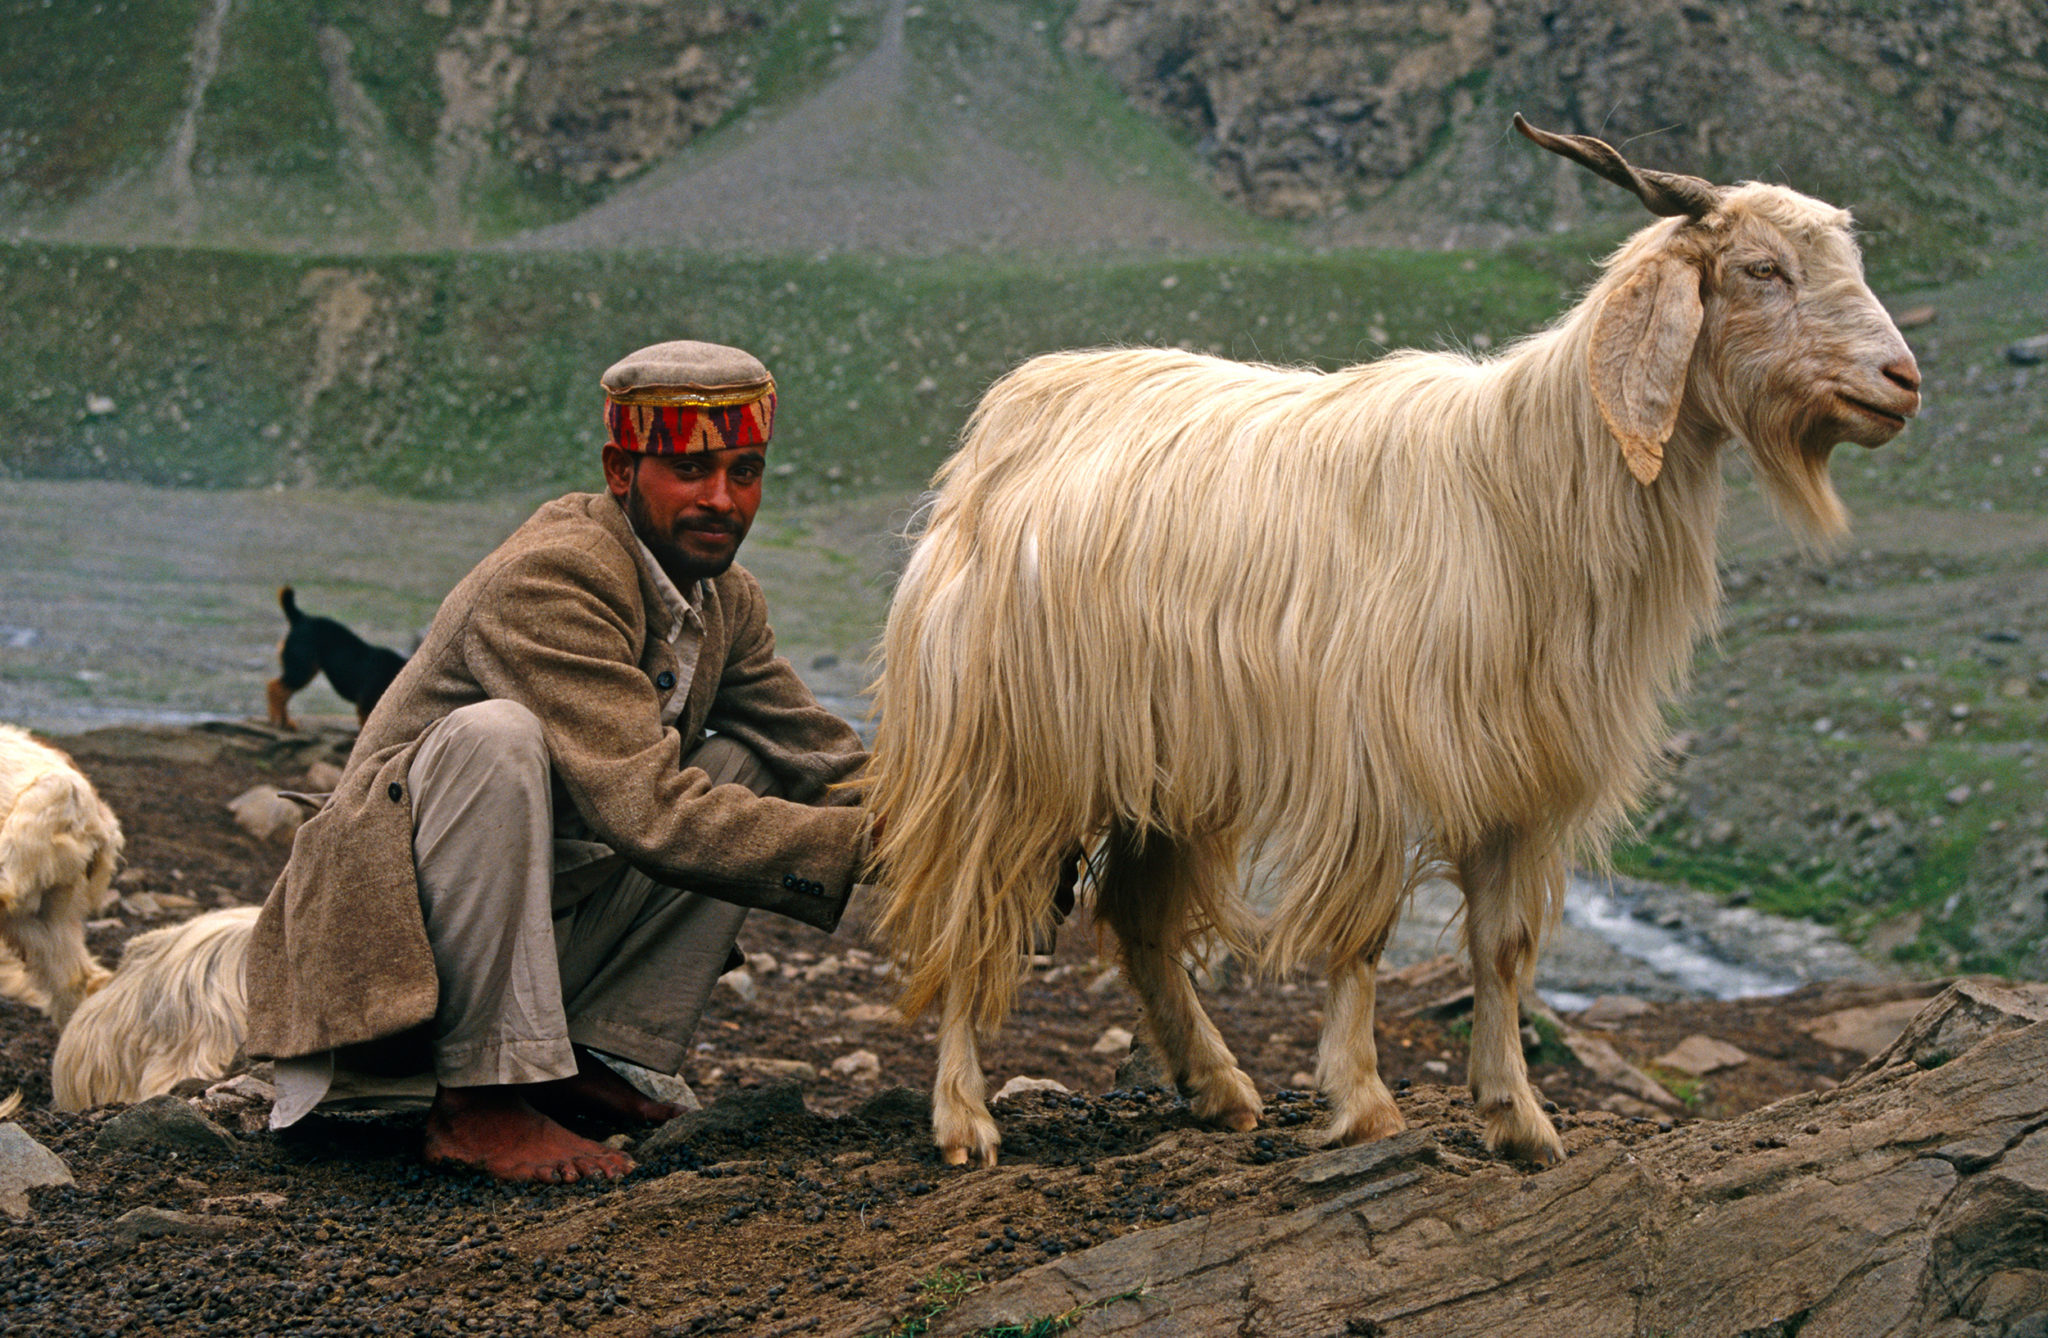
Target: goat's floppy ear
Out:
[1642,342]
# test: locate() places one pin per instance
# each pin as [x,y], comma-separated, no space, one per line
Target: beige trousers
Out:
[541,937]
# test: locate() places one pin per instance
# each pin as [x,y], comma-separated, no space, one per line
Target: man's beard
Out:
[682,567]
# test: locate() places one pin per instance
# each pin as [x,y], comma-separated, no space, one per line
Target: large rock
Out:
[166,1124]
[1912,1199]
[1392,113]
[25,1165]
[748,1108]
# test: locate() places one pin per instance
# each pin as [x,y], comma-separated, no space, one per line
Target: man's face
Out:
[691,510]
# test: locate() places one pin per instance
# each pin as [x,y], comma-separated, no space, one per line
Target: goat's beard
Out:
[1791,461]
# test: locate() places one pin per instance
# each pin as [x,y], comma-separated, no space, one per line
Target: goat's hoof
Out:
[1524,1136]
[984,1157]
[1231,1101]
[965,1137]
[1366,1126]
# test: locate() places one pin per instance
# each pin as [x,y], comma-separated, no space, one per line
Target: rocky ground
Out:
[806,1197]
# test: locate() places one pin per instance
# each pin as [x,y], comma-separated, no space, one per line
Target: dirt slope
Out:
[958,131]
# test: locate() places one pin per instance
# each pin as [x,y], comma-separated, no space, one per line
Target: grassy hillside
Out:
[472,374]
[355,123]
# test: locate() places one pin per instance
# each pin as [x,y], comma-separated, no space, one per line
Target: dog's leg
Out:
[1148,886]
[276,695]
[961,1123]
[1506,890]
[1347,1064]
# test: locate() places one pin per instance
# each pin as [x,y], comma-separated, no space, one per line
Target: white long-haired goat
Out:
[1170,606]
[175,1010]
[58,846]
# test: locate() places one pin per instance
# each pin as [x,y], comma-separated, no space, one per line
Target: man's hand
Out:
[1044,940]
[1071,865]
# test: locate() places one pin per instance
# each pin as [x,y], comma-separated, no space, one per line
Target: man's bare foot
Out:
[598,1091]
[496,1130]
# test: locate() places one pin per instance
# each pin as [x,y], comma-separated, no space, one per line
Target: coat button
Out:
[397,792]
[665,680]
[789,880]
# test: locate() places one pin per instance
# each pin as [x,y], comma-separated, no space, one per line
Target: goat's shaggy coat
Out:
[58,847]
[175,1010]
[1410,617]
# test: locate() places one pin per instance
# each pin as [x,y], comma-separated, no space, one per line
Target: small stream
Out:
[1620,936]
[1668,952]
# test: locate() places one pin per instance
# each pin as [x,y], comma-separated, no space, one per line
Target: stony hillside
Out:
[1019,125]
[1385,120]
[358,123]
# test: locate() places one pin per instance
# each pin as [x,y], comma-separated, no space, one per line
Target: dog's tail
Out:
[174,1010]
[289,602]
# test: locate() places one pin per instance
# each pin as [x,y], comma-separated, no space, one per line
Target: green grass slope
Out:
[354,124]
[472,374]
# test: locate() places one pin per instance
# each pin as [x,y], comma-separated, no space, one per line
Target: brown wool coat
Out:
[561,619]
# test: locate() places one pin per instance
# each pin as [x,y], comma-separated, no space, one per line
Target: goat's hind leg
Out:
[1507,889]
[961,1124]
[1147,889]
[1348,1063]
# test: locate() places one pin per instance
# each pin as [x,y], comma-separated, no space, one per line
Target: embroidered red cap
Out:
[683,396]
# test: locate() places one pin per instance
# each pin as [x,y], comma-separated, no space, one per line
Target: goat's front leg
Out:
[1348,1063]
[1506,903]
[961,1124]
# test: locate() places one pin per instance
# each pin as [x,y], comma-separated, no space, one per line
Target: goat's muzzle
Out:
[1872,412]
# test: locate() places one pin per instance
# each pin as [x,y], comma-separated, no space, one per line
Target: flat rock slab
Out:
[25,1165]
[1701,1055]
[1907,1200]
[1867,1030]
[149,1223]
[166,1124]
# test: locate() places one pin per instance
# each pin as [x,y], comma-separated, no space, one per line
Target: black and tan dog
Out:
[358,670]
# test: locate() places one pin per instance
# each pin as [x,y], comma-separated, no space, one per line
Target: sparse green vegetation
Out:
[1691,1091]
[1047,1326]
[86,90]
[936,1295]
[474,374]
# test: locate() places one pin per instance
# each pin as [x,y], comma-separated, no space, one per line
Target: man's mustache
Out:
[708,525]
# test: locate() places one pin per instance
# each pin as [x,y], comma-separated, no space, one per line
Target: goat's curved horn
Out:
[1666,193]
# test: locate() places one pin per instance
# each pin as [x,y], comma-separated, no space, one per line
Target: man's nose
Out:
[717,496]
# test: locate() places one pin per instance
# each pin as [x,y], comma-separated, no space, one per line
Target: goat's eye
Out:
[1763,269]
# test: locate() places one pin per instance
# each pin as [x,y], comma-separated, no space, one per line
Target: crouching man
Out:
[554,822]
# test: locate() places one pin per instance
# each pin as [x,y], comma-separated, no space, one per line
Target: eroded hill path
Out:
[915,150]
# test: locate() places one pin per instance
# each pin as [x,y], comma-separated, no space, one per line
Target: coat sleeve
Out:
[762,703]
[558,632]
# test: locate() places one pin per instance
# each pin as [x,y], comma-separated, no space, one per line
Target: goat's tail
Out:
[175,1009]
[970,851]
[289,602]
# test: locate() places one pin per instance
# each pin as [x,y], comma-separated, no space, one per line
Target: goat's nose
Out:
[1903,372]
